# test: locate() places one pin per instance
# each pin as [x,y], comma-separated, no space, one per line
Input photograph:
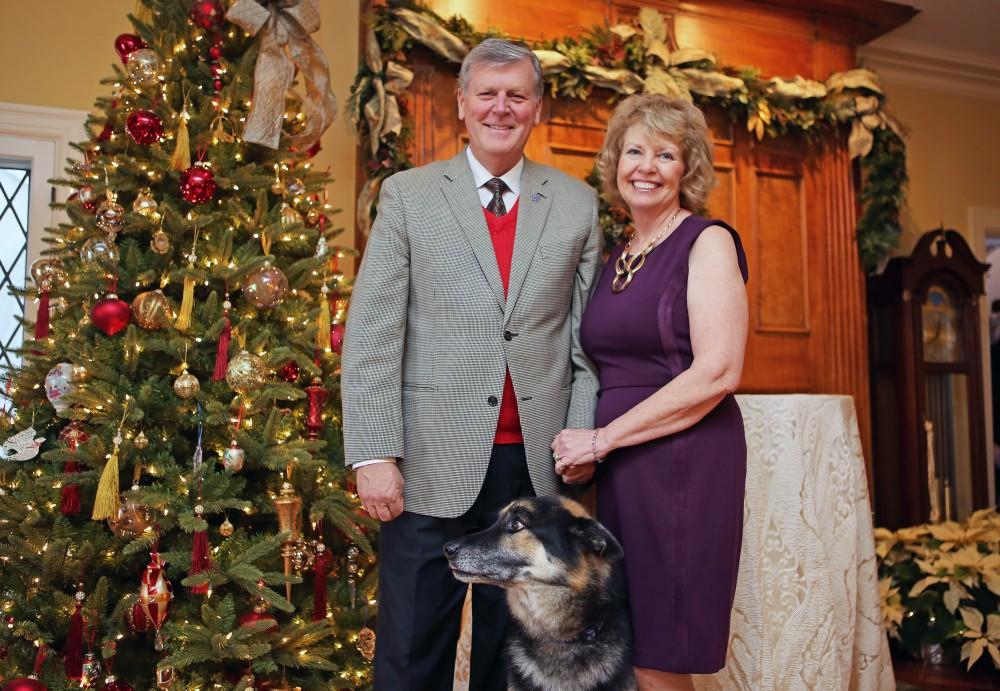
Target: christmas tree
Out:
[174,509]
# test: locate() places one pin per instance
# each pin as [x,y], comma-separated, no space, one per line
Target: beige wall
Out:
[953,158]
[55,52]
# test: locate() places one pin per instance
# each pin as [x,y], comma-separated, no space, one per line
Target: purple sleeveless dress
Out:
[675,503]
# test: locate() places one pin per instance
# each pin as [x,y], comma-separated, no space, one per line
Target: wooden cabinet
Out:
[792,200]
[927,383]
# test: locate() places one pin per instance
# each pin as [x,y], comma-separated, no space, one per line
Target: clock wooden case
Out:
[929,439]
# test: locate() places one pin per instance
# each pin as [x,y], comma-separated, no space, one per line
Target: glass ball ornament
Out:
[80,373]
[197,184]
[265,287]
[143,67]
[47,273]
[289,215]
[111,314]
[141,441]
[186,386]
[295,186]
[126,44]
[59,383]
[87,197]
[144,204]
[246,373]
[226,528]
[100,252]
[111,217]
[144,126]
[132,519]
[160,242]
[207,14]
[278,187]
[233,458]
[151,310]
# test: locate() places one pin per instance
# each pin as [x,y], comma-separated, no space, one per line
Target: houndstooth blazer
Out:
[430,334]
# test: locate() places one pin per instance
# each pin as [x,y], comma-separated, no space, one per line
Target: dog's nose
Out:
[452,548]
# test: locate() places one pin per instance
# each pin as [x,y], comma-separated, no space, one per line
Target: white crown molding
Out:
[931,67]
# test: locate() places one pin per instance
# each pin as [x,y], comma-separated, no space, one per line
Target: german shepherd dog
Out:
[570,628]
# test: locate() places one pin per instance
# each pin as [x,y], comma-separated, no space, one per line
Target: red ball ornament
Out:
[253,617]
[215,52]
[207,14]
[112,684]
[110,314]
[24,684]
[290,371]
[337,338]
[144,126]
[126,44]
[217,85]
[197,184]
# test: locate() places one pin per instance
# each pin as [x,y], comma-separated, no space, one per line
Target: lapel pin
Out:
[535,197]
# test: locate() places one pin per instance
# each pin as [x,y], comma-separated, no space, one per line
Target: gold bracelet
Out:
[593,446]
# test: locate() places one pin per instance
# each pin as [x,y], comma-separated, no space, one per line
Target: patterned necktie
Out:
[496,205]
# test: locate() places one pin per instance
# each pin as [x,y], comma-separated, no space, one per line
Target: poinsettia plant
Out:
[940,585]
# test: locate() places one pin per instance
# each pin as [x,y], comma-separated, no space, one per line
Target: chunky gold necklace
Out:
[626,266]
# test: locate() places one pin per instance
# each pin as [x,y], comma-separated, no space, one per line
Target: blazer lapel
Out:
[532,210]
[459,189]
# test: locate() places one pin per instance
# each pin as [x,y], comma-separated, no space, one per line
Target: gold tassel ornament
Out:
[106,502]
[183,322]
[181,158]
[323,322]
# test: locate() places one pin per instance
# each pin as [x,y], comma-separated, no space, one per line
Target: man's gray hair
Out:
[498,51]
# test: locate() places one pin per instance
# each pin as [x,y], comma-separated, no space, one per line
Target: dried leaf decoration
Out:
[654,31]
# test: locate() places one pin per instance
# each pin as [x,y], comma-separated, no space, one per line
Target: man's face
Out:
[499,108]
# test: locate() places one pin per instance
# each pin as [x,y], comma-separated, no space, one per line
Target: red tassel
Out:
[42,322]
[222,352]
[70,491]
[40,659]
[321,567]
[73,652]
[201,561]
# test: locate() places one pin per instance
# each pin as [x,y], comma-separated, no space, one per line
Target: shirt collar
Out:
[512,178]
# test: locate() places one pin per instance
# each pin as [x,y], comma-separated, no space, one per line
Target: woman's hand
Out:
[574,448]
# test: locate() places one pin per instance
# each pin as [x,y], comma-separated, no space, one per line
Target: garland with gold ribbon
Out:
[631,58]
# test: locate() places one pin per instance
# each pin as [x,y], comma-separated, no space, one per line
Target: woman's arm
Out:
[717,309]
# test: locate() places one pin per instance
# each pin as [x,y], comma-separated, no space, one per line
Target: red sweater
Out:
[502,235]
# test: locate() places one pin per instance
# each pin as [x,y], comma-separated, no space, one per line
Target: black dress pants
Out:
[420,602]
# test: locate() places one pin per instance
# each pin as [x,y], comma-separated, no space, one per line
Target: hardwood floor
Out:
[914,676]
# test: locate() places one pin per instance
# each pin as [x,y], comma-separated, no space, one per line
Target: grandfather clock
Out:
[929,450]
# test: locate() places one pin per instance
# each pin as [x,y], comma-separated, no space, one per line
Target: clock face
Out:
[940,320]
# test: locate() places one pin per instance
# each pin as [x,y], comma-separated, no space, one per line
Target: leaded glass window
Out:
[15,179]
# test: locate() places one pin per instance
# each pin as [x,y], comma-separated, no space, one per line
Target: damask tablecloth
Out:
[807,612]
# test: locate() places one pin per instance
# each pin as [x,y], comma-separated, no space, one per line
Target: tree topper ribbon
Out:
[283,27]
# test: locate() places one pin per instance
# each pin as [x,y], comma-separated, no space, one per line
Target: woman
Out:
[667,330]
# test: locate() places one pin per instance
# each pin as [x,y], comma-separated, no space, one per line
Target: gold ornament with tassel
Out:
[183,322]
[181,158]
[106,502]
[323,321]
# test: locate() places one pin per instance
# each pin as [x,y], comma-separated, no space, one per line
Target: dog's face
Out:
[540,541]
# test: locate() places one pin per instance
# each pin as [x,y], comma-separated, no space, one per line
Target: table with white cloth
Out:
[807,612]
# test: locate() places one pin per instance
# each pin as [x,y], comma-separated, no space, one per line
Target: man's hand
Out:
[380,487]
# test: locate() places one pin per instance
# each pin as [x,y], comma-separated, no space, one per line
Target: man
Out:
[462,361]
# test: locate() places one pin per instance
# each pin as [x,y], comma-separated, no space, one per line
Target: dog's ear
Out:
[595,538]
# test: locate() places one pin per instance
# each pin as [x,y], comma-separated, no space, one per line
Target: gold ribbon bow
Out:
[283,27]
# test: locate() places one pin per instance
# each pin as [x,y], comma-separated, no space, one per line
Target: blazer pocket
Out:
[418,387]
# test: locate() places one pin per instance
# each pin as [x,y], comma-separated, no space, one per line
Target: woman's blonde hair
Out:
[670,118]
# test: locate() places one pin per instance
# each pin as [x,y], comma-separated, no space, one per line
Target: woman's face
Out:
[650,169]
